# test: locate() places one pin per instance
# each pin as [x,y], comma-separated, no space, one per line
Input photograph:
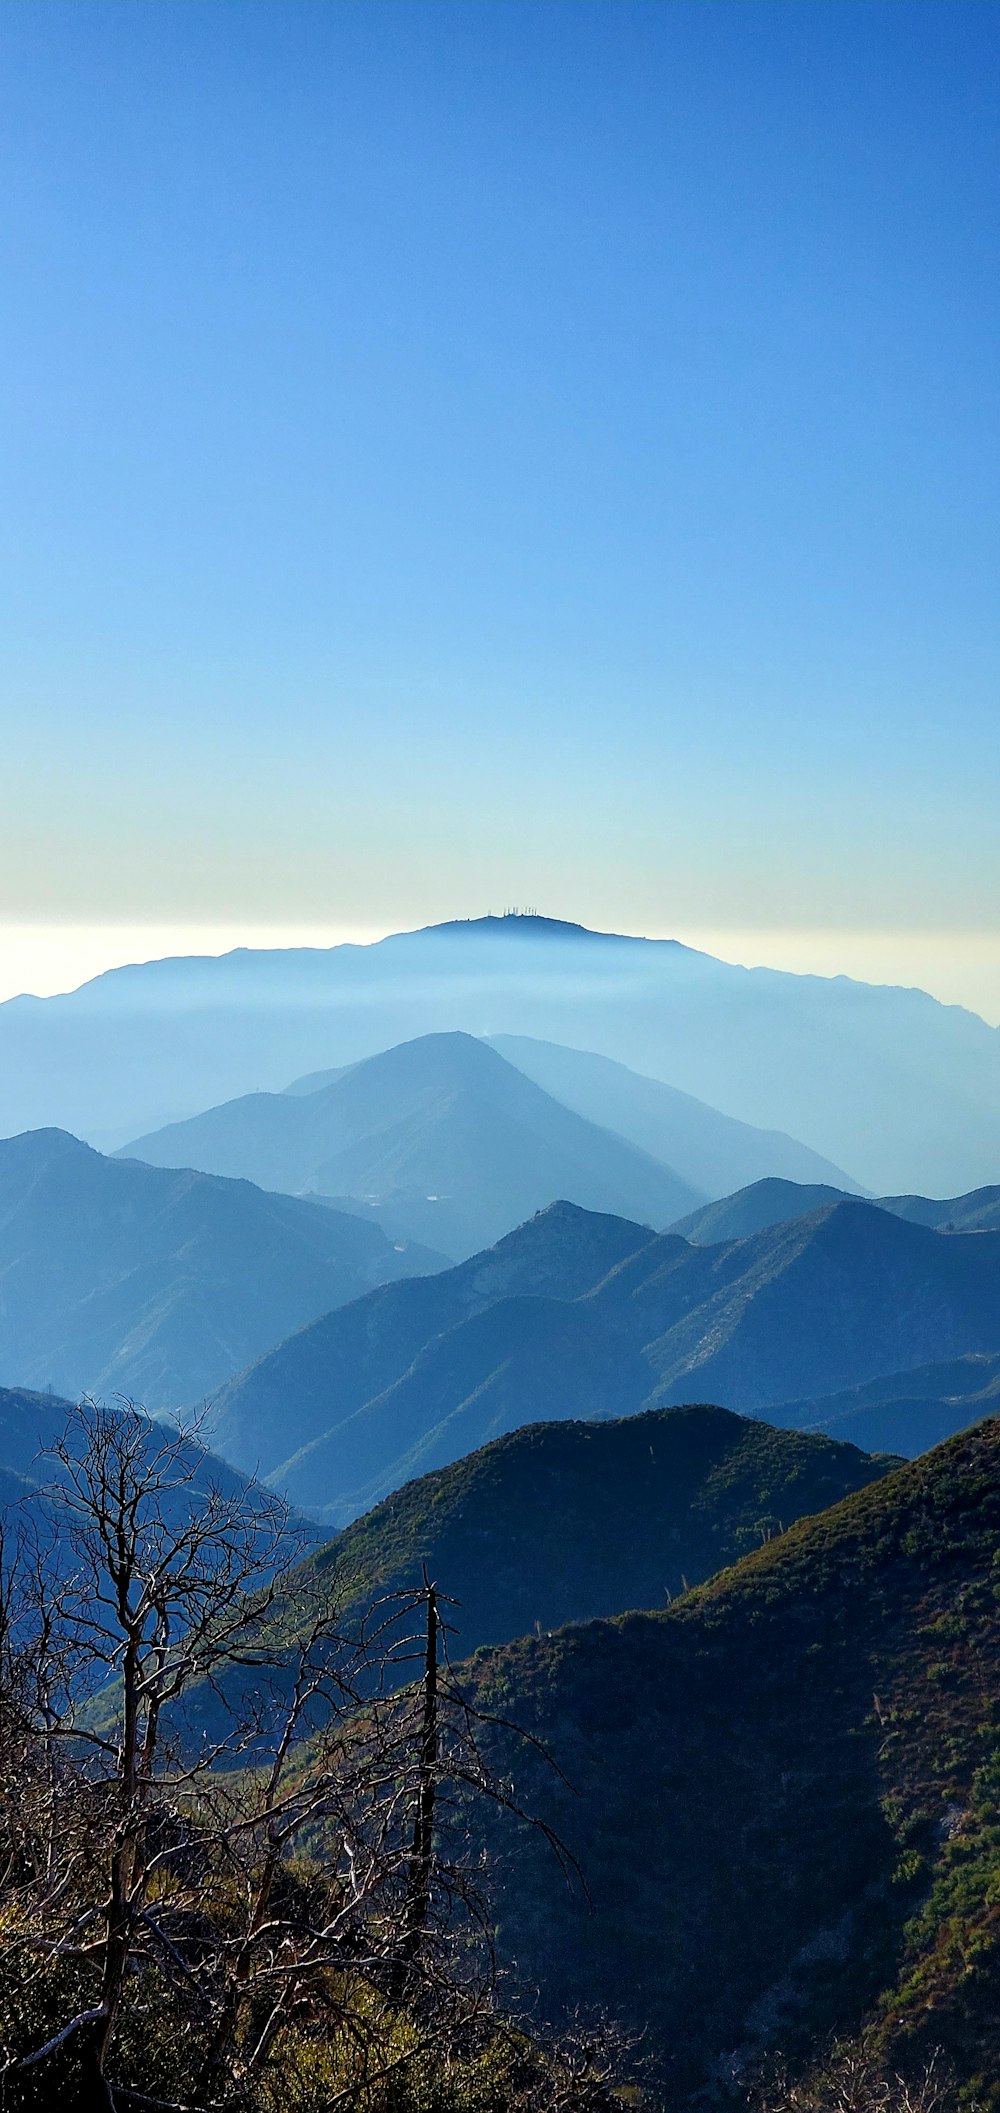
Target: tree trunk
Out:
[418,1889]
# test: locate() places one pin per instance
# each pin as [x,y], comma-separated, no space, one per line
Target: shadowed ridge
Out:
[122,1278]
[755,1208]
[783,1793]
[562,1521]
[804,1309]
[322,1375]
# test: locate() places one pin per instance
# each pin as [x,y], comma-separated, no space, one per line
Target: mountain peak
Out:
[530,924]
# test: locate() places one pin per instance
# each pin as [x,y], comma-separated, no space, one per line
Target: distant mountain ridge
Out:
[902,1091]
[904,1412]
[416,1376]
[713,1151]
[119,1278]
[452,1142]
[335,1366]
[773,1202]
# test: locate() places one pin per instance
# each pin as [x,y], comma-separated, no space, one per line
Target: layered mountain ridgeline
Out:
[560,1522]
[978,1211]
[903,1412]
[844,1294]
[773,1202]
[453,1144]
[118,1278]
[333,1368]
[407,1382]
[901,1091]
[755,1208]
[714,1152]
[782,1793]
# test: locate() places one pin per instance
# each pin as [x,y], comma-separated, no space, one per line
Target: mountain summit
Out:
[901,1091]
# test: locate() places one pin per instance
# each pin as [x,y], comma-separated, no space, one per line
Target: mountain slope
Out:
[451,1140]
[977,1212]
[781,1792]
[771,1202]
[899,1089]
[421,1374]
[520,1360]
[712,1151]
[903,1412]
[561,1522]
[754,1209]
[567,1521]
[326,1372]
[122,1278]
[811,1306]
[31,1424]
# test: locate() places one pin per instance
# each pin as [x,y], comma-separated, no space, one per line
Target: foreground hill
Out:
[714,1152]
[782,1793]
[773,1202]
[563,1521]
[566,1521]
[386,1390]
[454,1144]
[901,1091]
[121,1278]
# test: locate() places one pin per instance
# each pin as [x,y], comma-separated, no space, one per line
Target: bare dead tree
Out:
[171,1753]
[860,2078]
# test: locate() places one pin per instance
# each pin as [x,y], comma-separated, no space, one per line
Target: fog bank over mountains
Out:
[901,1091]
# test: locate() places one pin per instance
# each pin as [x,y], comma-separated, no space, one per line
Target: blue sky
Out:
[464,454]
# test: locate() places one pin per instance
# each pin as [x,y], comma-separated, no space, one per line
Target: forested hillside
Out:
[783,1795]
[420,1374]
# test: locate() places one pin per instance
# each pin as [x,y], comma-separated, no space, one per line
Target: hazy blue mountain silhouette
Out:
[419,1375]
[453,1143]
[327,1371]
[31,1424]
[978,1211]
[121,1278]
[902,1091]
[772,1202]
[714,1152]
[754,1208]
[903,1412]
[843,1294]
[332,1368]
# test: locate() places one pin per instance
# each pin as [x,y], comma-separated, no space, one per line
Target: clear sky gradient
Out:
[456,455]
